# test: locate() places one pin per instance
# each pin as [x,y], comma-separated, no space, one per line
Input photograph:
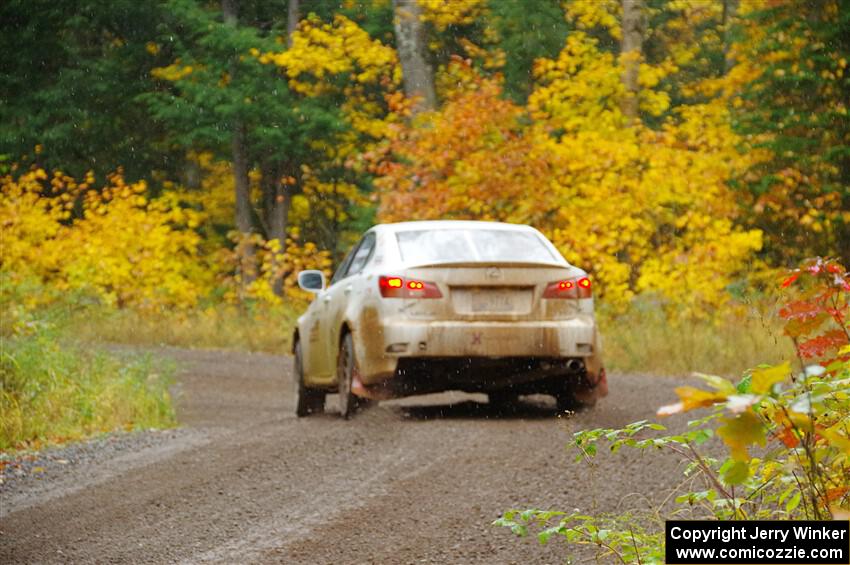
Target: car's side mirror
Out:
[311,281]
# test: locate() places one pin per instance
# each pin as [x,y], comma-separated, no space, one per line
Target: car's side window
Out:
[339,274]
[361,255]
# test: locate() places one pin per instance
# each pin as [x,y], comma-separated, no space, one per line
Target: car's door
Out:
[335,300]
[315,349]
[312,348]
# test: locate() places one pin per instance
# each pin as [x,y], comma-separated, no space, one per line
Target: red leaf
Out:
[787,282]
[805,326]
[816,347]
[800,310]
[788,437]
[836,493]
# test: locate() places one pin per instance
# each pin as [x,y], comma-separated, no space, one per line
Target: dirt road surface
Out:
[416,481]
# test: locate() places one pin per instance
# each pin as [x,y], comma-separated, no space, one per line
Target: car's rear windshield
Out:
[425,247]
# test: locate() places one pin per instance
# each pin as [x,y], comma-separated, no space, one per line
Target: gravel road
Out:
[413,481]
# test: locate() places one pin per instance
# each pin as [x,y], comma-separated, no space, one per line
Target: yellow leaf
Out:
[693,397]
[764,379]
[833,436]
[690,399]
[740,432]
[717,383]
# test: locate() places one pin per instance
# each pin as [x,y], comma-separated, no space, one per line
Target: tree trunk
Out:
[244,224]
[632,52]
[230,9]
[193,175]
[277,197]
[292,17]
[730,9]
[410,43]
[277,194]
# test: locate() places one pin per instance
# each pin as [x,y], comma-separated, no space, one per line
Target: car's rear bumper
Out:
[386,343]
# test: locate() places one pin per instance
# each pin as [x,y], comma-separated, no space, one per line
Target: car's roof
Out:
[451,224]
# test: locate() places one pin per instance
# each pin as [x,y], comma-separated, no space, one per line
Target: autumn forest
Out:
[672,148]
[168,167]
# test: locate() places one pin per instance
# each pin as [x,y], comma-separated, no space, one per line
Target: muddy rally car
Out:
[420,307]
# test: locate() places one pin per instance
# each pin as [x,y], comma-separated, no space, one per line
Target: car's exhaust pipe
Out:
[575,365]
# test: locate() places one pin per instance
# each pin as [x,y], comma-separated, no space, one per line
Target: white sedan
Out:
[420,307]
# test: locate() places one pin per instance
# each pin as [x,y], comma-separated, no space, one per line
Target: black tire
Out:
[307,400]
[567,402]
[571,397]
[503,400]
[346,366]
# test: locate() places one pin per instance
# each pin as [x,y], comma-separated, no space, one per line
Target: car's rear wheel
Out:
[572,396]
[346,369]
[566,401]
[307,400]
[503,400]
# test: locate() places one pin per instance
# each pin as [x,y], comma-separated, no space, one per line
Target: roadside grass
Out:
[648,340]
[54,390]
[266,329]
[56,383]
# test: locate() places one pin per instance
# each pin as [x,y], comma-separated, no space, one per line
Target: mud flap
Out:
[370,393]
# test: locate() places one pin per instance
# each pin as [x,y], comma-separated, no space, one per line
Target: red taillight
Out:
[397,287]
[569,289]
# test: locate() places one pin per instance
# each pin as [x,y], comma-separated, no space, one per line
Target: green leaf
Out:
[543,537]
[701,436]
[793,503]
[737,473]
[528,515]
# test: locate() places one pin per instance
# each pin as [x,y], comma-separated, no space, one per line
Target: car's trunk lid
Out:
[492,291]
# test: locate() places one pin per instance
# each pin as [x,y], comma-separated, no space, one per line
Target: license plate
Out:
[492,300]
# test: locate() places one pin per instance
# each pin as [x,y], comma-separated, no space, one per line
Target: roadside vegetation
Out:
[784,426]
[54,388]
[647,340]
[216,327]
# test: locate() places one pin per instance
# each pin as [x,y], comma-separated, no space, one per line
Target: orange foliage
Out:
[646,211]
